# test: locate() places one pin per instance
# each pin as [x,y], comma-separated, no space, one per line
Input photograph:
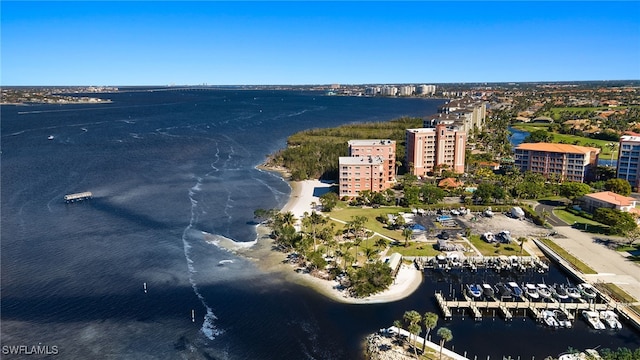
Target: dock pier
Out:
[506,308]
[69,198]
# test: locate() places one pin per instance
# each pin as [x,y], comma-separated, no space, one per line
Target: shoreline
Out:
[303,195]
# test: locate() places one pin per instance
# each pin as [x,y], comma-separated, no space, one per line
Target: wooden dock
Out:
[78,196]
[506,308]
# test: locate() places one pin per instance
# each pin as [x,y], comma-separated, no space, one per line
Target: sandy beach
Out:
[304,194]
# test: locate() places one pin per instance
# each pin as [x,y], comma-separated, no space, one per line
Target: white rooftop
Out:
[371,142]
[360,160]
[630,138]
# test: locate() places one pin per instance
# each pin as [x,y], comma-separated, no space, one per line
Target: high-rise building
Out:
[567,162]
[629,160]
[369,166]
[441,147]
[361,173]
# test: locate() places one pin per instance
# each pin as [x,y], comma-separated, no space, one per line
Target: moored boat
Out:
[593,319]
[543,290]
[563,319]
[587,291]
[611,319]
[516,291]
[549,318]
[573,292]
[474,290]
[531,291]
[503,291]
[487,291]
[559,291]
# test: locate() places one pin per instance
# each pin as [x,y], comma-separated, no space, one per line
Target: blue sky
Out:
[235,43]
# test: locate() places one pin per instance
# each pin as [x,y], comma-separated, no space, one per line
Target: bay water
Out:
[170,169]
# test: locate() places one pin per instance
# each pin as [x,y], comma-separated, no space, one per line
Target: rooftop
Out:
[360,160]
[371,142]
[557,148]
[612,198]
[630,138]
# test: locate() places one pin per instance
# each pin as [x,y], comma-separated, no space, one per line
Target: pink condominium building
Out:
[369,166]
[432,148]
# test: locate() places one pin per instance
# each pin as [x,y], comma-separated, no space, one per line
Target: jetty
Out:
[69,198]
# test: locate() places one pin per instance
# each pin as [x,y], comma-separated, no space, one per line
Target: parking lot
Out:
[479,224]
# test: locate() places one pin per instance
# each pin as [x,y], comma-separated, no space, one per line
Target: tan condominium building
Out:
[386,149]
[358,173]
[567,162]
[434,149]
[369,166]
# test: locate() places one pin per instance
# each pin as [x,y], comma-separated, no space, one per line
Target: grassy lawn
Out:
[605,153]
[487,249]
[570,218]
[371,214]
[577,264]
[414,249]
[618,294]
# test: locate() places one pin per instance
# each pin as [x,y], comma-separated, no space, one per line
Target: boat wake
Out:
[209,328]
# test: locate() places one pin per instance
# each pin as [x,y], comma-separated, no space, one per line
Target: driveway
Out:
[548,206]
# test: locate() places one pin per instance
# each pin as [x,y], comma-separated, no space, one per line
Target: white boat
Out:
[50,137]
[593,319]
[531,291]
[611,319]
[544,291]
[573,292]
[549,318]
[516,291]
[588,354]
[587,291]
[563,319]
[559,291]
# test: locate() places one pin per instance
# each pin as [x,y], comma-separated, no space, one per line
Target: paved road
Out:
[612,266]
[551,219]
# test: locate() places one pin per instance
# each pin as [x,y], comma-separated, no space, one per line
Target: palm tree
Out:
[398,325]
[412,318]
[407,232]
[369,253]
[288,218]
[381,243]
[356,242]
[313,221]
[398,165]
[445,335]
[430,320]
[522,240]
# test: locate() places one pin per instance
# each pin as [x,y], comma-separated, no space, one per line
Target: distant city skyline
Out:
[123,43]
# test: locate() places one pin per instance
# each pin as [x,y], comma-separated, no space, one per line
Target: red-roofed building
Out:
[608,199]
[569,162]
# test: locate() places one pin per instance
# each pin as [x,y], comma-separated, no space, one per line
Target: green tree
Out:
[329,201]
[430,321]
[432,194]
[618,186]
[574,190]
[537,136]
[485,192]
[619,222]
[370,279]
[445,335]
